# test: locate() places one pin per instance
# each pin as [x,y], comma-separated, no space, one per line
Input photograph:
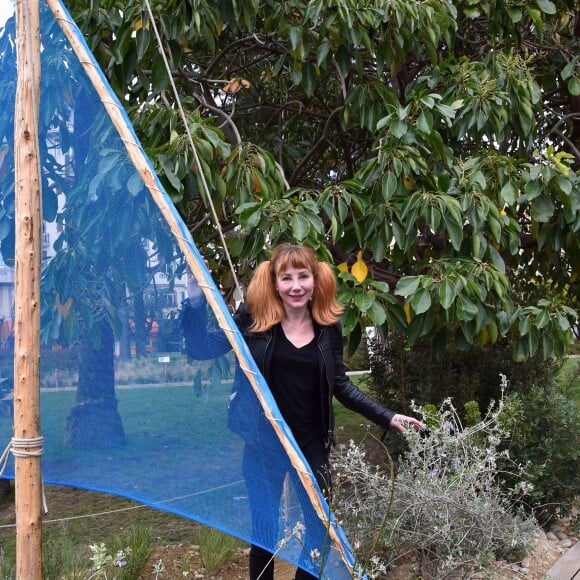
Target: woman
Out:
[291,325]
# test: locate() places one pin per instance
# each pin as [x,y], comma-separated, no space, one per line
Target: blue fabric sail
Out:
[123,410]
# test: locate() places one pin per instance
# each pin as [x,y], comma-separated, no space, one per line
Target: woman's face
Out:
[295,287]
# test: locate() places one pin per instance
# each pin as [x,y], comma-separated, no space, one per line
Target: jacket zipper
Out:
[270,335]
[329,434]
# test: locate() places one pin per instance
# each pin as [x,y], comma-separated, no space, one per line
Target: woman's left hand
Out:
[401,422]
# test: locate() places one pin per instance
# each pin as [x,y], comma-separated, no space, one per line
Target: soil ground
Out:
[537,563]
[174,539]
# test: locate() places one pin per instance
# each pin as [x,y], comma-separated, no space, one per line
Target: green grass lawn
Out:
[152,427]
[92,517]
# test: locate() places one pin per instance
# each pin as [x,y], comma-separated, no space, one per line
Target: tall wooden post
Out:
[27,443]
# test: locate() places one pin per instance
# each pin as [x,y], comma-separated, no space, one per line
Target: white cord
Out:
[193,148]
[17,447]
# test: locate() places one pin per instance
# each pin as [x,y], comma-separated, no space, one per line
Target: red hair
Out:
[263,301]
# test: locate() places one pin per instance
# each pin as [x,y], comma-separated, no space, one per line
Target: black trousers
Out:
[265,489]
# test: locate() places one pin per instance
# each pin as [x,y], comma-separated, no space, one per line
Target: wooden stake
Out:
[27,445]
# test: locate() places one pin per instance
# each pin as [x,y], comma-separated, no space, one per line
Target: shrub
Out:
[444,508]
[402,374]
[543,438]
[543,433]
[568,380]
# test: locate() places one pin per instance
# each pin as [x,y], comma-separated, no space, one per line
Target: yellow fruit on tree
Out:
[359,269]
[484,337]
[407,309]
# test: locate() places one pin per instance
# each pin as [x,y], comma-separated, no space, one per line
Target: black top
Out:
[203,340]
[295,384]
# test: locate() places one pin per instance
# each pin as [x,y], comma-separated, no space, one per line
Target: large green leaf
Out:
[543,208]
[377,313]
[421,301]
[466,309]
[407,285]
[447,294]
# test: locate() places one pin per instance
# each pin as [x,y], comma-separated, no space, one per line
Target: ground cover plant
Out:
[78,519]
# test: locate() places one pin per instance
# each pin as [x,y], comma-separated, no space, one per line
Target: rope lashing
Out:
[20,447]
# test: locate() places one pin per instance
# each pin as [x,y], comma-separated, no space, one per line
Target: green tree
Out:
[430,149]
[110,242]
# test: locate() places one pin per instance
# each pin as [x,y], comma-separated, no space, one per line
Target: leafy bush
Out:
[543,433]
[543,438]
[402,374]
[568,380]
[444,509]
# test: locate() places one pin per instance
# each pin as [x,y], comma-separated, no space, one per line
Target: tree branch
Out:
[234,137]
[316,146]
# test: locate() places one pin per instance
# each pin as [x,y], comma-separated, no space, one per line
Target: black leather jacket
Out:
[333,378]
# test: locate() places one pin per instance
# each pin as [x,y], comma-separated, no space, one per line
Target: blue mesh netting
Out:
[123,410]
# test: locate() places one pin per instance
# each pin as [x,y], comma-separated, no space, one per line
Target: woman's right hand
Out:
[400,423]
[194,292]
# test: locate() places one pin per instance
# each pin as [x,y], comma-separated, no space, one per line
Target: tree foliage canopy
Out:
[428,149]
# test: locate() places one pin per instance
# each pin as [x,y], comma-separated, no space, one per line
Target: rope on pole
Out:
[19,447]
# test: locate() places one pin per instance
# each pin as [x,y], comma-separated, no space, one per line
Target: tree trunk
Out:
[94,421]
[125,339]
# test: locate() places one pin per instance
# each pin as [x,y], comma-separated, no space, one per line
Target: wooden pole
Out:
[27,443]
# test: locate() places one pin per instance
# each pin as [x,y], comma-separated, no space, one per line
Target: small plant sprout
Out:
[100,559]
[158,568]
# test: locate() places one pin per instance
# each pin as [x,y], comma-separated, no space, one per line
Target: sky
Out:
[6,10]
